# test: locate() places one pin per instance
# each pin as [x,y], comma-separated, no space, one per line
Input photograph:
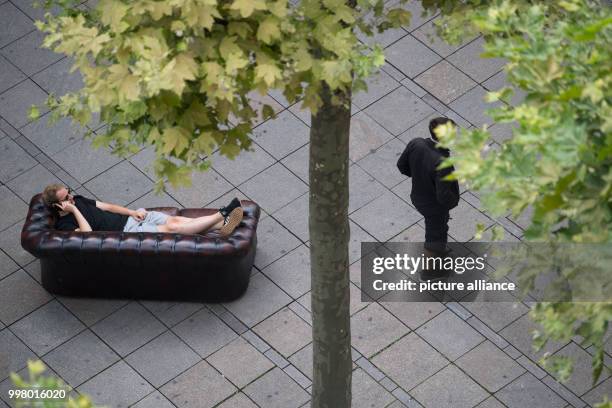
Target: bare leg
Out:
[185,225]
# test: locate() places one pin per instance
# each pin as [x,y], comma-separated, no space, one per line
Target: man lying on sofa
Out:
[77,213]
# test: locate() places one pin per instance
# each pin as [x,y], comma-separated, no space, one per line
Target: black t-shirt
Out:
[99,220]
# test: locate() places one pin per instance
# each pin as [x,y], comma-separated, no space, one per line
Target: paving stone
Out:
[276,390]
[399,110]
[581,380]
[7,265]
[162,359]
[206,186]
[357,236]
[246,165]
[363,188]
[9,74]
[468,60]
[390,152]
[297,162]
[369,323]
[13,353]
[10,243]
[366,136]
[118,386]
[422,359]
[261,300]
[89,310]
[204,332]
[276,358]
[13,24]
[35,13]
[415,233]
[15,160]
[128,328]
[20,295]
[388,384]
[528,391]
[83,162]
[28,54]
[273,242]
[301,113]
[274,187]
[385,217]
[120,184]
[303,360]
[427,34]
[531,367]
[383,39]
[257,102]
[238,400]
[416,14]
[32,182]
[445,82]
[379,85]
[450,335]
[487,332]
[152,199]
[294,216]
[421,129]
[449,388]
[15,102]
[472,106]
[297,376]
[501,132]
[285,331]
[200,386]
[464,218]
[394,72]
[413,314]
[171,313]
[490,366]
[154,400]
[47,327]
[597,394]
[292,272]
[11,207]
[8,384]
[81,358]
[519,334]
[410,56]
[490,402]
[58,79]
[498,81]
[497,315]
[240,362]
[367,393]
[563,392]
[282,135]
[144,160]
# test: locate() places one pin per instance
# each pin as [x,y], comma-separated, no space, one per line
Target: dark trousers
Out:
[436,231]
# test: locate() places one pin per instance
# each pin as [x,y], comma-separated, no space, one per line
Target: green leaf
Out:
[175,139]
[247,7]
[268,30]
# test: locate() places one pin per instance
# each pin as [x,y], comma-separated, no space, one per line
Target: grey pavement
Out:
[257,351]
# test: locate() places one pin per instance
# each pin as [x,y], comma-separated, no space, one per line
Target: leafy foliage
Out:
[558,161]
[178,74]
[38,382]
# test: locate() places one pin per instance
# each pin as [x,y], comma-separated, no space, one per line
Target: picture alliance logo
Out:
[411,264]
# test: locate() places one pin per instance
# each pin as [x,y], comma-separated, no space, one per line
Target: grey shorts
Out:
[149,224]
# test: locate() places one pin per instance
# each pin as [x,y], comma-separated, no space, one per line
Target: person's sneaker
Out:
[225,211]
[231,221]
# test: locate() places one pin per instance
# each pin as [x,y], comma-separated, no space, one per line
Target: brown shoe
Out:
[231,222]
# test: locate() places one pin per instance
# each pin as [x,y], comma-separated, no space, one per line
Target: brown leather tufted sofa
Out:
[145,265]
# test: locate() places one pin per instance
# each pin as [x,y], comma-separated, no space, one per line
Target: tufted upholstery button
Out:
[111,264]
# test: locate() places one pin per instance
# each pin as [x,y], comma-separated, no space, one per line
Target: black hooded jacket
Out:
[430,194]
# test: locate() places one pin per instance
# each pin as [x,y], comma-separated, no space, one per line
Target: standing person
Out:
[432,196]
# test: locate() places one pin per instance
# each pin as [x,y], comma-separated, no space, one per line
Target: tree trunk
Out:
[329,237]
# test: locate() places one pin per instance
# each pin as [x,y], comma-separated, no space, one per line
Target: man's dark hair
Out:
[435,122]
